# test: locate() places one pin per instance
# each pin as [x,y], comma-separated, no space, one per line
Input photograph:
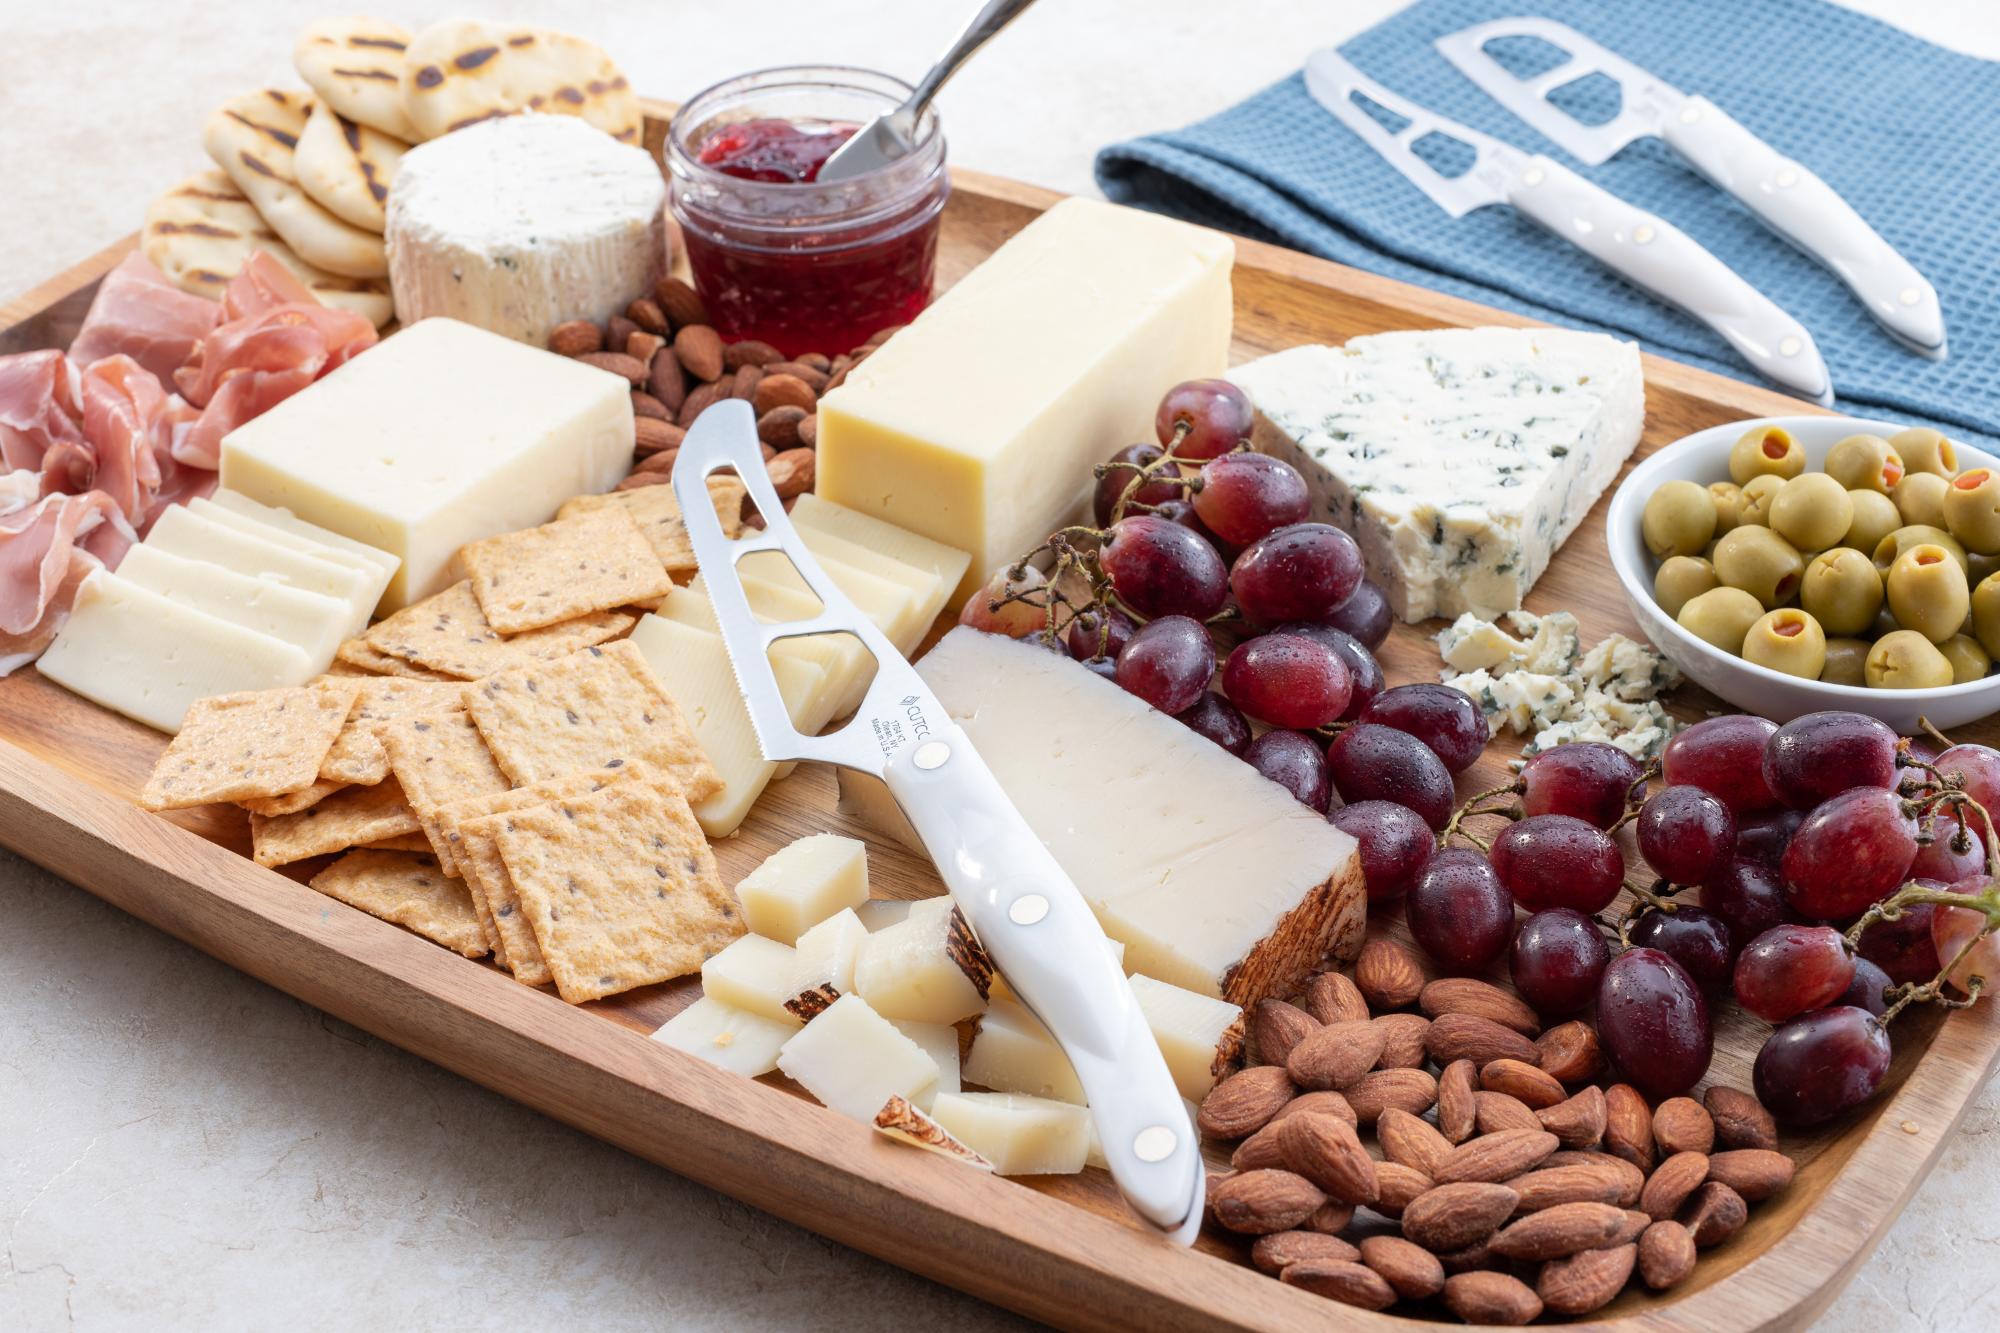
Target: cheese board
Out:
[1062,1248]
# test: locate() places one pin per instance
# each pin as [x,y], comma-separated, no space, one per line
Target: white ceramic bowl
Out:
[1704,457]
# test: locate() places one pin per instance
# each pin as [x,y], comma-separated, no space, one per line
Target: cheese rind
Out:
[802,884]
[729,1038]
[854,1060]
[978,424]
[1021,1136]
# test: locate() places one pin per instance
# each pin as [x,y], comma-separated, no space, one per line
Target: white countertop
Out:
[187,1147]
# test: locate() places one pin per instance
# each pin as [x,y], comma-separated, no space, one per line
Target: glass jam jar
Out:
[803,266]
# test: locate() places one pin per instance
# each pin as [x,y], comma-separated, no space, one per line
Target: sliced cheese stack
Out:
[224,595]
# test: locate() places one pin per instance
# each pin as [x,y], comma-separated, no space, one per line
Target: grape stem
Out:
[1467,810]
[1986,902]
[1145,475]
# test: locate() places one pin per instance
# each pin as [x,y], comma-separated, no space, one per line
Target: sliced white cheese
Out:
[1013,1052]
[813,512]
[182,532]
[315,623]
[1021,1136]
[927,590]
[802,884]
[892,607]
[926,967]
[1198,1034]
[755,975]
[731,1038]
[847,664]
[284,519]
[854,1060]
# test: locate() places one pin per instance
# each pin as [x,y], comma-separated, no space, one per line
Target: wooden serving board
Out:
[1063,1249]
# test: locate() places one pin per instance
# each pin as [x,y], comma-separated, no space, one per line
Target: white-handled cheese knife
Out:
[1785,196]
[1645,250]
[1017,899]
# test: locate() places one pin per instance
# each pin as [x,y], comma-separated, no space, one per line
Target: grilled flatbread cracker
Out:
[461,71]
[202,232]
[355,64]
[254,139]
[346,166]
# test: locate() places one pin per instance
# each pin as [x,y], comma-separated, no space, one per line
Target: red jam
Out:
[772,150]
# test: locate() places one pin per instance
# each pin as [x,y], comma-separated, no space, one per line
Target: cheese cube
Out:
[313,622]
[755,975]
[881,913]
[926,967]
[180,531]
[733,1039]
[441,435]
[284,519]
[940,1043]
[827,951]
[139,654]
[1021,1136]
[854,1060]
[1198,1034]
[802,884]
[979,423]
[813,512]
[1013,1052]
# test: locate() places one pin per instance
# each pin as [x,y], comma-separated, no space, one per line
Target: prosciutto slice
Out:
[46,550]
[139,314]
[39,411]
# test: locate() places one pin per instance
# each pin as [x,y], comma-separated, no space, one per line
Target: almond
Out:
[1411,1269]
[1628,1125]
[1403,1041]
[699,399]
[1499,1111]
[1325,1150]
[1570,1051]
[1331,1103]
[1491,1298]
[1335,1056]
[660,461]
[1410,1090]
[1495,1157]
[1587,1280]
[1332,998]
[1555,1232]
[1410,1141]
[1396,1186]
[1681,1125]
[819,361]
[1457,1110]
[650,436]
[784,391]
[880,336]
[1388,975]
[750,352]
[1754,1173]
[1470,1259]
[1670,1185]
[1460,1036]
[1275,1028]
[699,350]
[812,376]
[1577,1121]
[678,302]
[779,427]
[617,363]
[1350,1284]
[1740,1119]
[638,479]
[575,337]
[809,431]
[1526,1082]
[1329,1219]
[665,380]
[647,314]
[1244,1102]
[1258,1152]
[645,405]
[618,331]
[1714,1214]
[1666,1255]
[1468,995]
[1635,1226]
[792,472]
[1273,1253]
[643,346]
[1597,1182]
[1257,1203]
[744,382]
[1451,1217]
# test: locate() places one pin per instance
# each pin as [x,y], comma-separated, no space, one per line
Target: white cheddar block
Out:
[284,519]
[802,884]
[755,975]
[1013,1052]
[978,424]
[1198,1034]
[940,1043]
[854,1060]
[813,512]
[828,950]
[311,621]
[139,654]
[848,665]
[441,435]
[182,532]
[925,968]
[881,913]
[731,1038]
[1021,1136]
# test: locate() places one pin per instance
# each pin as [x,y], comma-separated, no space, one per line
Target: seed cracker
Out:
[439,758]
[542,576]
[373,661]
[620,888]
[597,709]
[409,889]
[234,747]
[402,842]
[357,755]
[290,804]
[345,819]
[447,633]
[479,858]
[658,513]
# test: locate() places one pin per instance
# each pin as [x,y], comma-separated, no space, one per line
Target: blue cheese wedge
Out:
[1459,459]
[1542,686]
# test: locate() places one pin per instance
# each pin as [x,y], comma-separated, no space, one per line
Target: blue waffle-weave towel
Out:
[1907,132]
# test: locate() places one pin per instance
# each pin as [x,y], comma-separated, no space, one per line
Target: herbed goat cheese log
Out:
[1459,459]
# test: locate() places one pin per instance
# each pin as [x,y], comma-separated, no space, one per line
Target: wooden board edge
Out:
[77,276]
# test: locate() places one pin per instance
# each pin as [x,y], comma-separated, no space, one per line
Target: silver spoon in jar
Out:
[894,134]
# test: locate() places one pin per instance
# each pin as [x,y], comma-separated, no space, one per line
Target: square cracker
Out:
[234,747]
[620,888]
[440,758]
[357,755]
[402,842]
[657,511]
[345,819]
[448,633]
[370,660]
[408,889]
[305,798]
[597,709]
[542,576]
[479,860]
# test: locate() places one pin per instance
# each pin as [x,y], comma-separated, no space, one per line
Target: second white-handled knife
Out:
[1645,250]
[1019,902]
[1785,196]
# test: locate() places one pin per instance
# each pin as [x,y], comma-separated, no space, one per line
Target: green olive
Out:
[1721,617]
[1924,450]
[1906,660]
[1846,662]
[1972,509]
[1986,613]
[1679,519]
[1761,563]
[1968,660]
[1683,577]
[1865,463]
[1875,517]
[1842,591]
[1884,624]
[1787,640]
[1927,592]
[1765,451]
[1902,539]
[1978,567]
[1728,497]
[1758,493]
[1919,498]
[1811,511]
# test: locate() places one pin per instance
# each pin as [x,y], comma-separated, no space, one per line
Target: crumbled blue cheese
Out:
[1541,685]
[1627,669]
[1549,645]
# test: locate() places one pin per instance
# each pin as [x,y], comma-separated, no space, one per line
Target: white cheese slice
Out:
[137,653]
[854,1060]
[927,590]
[1021,1136]
[1013,1052]
[315,623]
[733,1039]
[287,521]
[180,531]
[813,512]
[847,664]
[940,1043]
[924,968]
[1198,1034]
[892,607]
[802,884]
[755,975]
[371,566]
